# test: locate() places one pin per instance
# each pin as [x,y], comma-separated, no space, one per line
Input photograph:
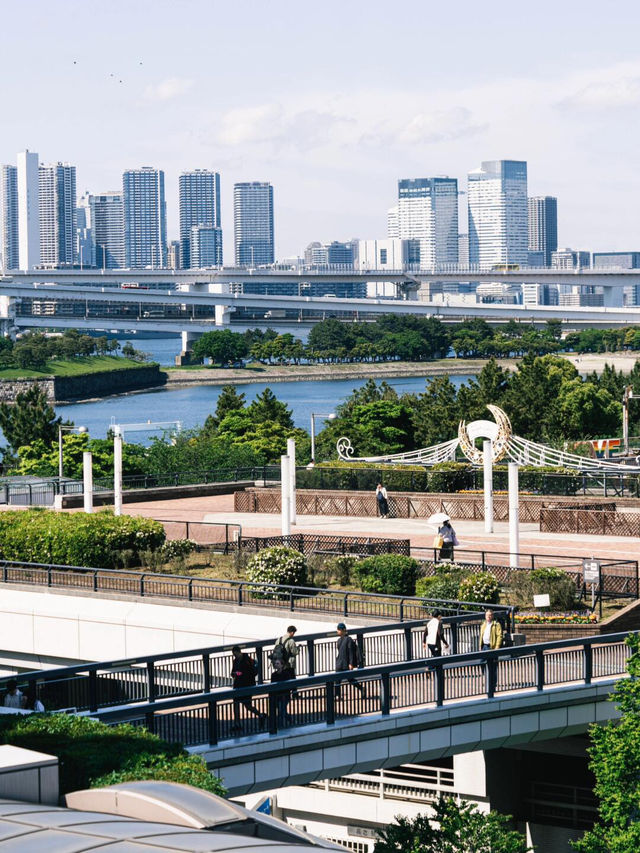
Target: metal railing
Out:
[223,714]
[153,677]
[337,602]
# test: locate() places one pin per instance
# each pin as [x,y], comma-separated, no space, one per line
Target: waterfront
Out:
[191,405]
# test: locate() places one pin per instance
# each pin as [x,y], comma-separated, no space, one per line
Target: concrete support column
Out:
[514,515]
[285,491]
[487,449]
[223,315]
[612,297]
[87,478]
[117,474]
[188,338]
[291,453]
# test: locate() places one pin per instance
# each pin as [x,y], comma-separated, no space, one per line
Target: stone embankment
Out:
[86,386]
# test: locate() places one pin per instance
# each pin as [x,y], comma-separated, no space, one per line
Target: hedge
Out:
[92,753]
[392,574]
[76,539]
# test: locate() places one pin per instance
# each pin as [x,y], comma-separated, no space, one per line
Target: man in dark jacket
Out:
[282,672]
[346,658]
[243,672]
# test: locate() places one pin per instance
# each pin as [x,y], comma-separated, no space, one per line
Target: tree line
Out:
[34,350]
[408,338]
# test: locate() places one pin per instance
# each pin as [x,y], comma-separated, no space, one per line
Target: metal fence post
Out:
[151,682]
[539,669]
[330,702]
[206,673]
[454,638]
[491,676]
[439,685]
[190,589]
[212,723]
[311,658]
[408,644]
[385,693]
[142,584]
[93,690]
[588,663]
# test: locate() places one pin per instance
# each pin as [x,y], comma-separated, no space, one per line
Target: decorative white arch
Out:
[503,443]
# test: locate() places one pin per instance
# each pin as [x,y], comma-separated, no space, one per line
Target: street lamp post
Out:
[61,429]
[315,415]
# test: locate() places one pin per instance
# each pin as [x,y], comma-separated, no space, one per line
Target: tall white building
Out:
[9,255]
[393,228]
[253,224]
[57,184]
[498,214]
[543,226]
[84,242]
[427,211]
[145,218]
[107,230]
[28,210]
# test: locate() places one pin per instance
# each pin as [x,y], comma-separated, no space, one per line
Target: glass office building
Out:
[253,224]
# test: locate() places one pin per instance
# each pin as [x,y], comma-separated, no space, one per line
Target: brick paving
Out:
[219,509]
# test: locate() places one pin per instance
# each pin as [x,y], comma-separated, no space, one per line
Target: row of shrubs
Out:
[77,539]
[394,574]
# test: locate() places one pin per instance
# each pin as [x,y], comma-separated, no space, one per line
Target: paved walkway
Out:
[471,534]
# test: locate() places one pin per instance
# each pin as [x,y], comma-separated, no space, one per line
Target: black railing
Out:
[210,717]
[338,602]
[160,676]
[310,543]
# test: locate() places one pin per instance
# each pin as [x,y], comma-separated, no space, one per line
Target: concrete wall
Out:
[77,628]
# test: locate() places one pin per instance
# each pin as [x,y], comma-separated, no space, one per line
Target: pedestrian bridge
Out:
[398,709]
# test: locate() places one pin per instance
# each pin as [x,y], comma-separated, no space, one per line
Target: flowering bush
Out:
[482,586]
[278,565]
[575,618]
[175,549]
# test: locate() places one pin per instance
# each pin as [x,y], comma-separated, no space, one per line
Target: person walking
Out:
[282,672]
[382,500]
[286,650]
[347,658]
[13,698]
[243,672]
[490,633]
[449,540]
[433,635]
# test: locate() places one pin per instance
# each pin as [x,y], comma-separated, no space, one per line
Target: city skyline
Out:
[334,143]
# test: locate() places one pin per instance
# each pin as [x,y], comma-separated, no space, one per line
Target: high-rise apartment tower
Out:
[57,186]
[28,210]
[145,218]
[498,214]
[9,254]
[543,226]
[253,224]
[107,230]
[199,205]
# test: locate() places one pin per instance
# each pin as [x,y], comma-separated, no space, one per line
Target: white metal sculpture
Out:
[503,444]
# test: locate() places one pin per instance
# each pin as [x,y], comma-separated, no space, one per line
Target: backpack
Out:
[279,652]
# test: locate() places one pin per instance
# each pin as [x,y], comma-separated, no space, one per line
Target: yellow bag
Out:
[438,541]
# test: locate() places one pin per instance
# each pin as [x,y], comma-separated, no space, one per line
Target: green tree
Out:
[453,828]
[615,762]
[267,407]
[221,346]
[29,419]
[228,401]
[586,411]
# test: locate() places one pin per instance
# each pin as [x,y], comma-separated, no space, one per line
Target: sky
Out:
[332,102]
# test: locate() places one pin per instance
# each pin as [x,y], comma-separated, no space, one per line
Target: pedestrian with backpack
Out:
[243,671]
[286,650]
[347,658]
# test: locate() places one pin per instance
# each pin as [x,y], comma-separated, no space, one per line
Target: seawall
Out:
[87,385]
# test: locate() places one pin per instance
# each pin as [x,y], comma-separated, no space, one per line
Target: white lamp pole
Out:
[487,449]
[87,477]
[61,429]
[285,486]
[314,415]
[117,472]
[291,453]
[514,516]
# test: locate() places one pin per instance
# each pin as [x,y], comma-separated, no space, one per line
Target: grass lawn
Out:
[72,367]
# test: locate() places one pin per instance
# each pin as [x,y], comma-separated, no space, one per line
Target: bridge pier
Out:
[612,297]
[222,320]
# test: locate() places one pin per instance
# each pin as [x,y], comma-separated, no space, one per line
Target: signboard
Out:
[542,600]
[265,806]
[591,571]
[605,448]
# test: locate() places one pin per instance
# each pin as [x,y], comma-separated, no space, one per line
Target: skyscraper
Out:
[543,226]
[85,255]
[145,218]
[199,205]
[206,246]
[498,213]
[107,230]
[28,210]
[428,212]
[57,187]
[253,224]
[9,255]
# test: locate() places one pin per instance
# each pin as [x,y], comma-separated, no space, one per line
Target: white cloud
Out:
[603,89]
[167,89]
